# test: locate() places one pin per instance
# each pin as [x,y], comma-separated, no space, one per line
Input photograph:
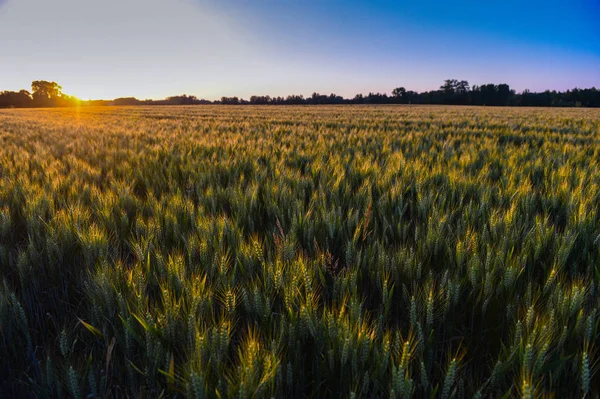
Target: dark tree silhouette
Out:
[261,100]
[400,95]
[230,100]
[184,99]
[126,101]
[451,92]
[399,92]
[15,99]
[45,94]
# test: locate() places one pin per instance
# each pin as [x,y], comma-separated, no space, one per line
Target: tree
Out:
[488,94]
[505,94]
[183,99]
[230,100]
[462,87]
[449,86]
[20,99]
[45,93]
[295,99]
[455,91]
[260,100]
[399,92]
[126,101]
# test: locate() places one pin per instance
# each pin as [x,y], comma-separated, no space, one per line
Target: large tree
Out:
[45,93]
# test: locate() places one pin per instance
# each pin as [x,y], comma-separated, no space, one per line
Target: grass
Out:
[368,251]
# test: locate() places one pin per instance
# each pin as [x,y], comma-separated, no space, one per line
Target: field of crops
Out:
[383,251]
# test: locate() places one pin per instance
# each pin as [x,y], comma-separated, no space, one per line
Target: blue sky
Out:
[214,48]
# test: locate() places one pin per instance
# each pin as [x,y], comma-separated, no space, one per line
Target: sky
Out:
[212,48]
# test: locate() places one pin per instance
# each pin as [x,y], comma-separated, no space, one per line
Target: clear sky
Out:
[214,48]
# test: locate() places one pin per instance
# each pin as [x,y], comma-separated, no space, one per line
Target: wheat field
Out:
[326,251]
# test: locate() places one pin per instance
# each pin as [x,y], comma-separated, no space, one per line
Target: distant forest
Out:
[452,92]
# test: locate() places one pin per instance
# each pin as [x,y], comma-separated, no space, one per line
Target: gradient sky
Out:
[214,48]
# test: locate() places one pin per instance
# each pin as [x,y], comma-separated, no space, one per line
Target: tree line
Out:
[452,92]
